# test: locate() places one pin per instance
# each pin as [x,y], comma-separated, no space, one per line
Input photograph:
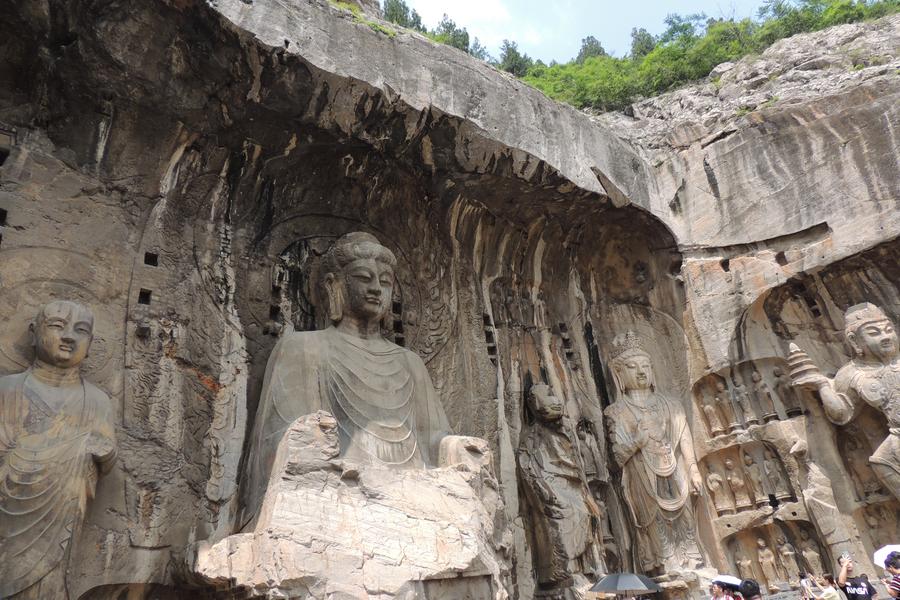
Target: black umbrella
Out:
[626,584]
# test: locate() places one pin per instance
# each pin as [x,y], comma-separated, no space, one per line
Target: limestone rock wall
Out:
[183,165]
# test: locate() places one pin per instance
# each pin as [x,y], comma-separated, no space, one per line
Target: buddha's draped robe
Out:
[53,439]
[380,394]
[656,480]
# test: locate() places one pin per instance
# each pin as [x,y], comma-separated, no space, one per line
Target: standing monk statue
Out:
[653,446]
[872,377]
[57,435]
[380,394]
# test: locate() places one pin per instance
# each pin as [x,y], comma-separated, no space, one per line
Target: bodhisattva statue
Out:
[738,486]
[810,551]
[653,446]
[757,488]
[565,515]
[380,394]
[723,401]
[766,559]
[764,397]
[872,377]
[57,435]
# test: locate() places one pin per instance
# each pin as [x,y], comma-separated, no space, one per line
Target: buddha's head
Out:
[62,333]
[359,278]
[748,460]
[544,404]
[631,365]
[870,333]
[761,543]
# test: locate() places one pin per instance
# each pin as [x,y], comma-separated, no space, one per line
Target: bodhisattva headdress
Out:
[856,317]
[626,345]
[347,248]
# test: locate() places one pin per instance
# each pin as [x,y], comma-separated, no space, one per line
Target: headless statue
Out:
[57,435]
[380,394]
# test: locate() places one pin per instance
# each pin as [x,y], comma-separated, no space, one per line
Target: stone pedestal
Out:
[330,528]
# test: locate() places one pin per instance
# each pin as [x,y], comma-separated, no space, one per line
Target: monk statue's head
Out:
[62,333]
[631,366]
[359,278]
[544,404]
[870,332]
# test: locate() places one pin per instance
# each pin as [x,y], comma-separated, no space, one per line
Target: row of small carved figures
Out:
[753,485]
[731,409]
[780,565]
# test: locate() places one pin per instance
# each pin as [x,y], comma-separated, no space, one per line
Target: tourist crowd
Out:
[822,586]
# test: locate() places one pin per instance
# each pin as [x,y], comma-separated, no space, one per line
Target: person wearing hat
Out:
[872,377]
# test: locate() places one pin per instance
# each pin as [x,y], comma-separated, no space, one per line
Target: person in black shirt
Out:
[855,588]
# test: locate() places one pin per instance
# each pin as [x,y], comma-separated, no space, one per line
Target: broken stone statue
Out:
[57,436]
[354,486]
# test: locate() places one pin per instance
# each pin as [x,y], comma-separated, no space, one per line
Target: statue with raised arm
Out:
[566,518]
[652,444]
[57,435]
[871,377]
[380,394]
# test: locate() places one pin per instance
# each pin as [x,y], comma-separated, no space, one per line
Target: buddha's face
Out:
[877,340]
[761,543]
[63,333]
[369,286]
[636,372]
[545,404]
[748,460]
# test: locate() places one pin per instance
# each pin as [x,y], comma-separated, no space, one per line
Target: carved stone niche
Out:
[882,521]
[747,486]
[776,554]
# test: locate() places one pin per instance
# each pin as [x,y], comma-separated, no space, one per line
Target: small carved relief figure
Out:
[872,377]
[789,561]
[857,457]
[766,559]
[713,420]
[744,565]
[764,397]
[737,485]
[57,435]
[882,524]
[723,402]
[810,551]
[380,394]
[742,397]
[787,394]
[653,446]
[563,509]
[757,488]
[716,485]
[777,480]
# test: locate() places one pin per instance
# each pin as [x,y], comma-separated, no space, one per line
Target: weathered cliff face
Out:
[182,166]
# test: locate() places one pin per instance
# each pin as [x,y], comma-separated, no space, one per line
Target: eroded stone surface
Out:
[331,528]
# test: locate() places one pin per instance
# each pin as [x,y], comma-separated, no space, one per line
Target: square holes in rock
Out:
[2,217]
[144,296]
[151,259]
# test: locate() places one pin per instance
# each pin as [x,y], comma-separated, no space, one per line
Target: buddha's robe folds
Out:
[656,480]
[53,442]
[380,394]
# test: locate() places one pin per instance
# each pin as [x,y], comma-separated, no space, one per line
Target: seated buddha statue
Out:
[380,394]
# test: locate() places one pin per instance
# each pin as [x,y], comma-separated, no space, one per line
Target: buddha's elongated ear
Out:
[334,290]
[853,342]
[33,335]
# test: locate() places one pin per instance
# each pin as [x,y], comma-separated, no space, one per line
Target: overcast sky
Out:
[553,29]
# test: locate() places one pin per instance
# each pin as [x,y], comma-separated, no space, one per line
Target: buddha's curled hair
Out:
[354,246]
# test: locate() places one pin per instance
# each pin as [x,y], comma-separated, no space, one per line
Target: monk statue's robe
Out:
[54,441]
[380,394]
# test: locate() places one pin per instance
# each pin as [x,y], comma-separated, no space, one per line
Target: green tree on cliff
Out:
[397,11]
[513,61]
